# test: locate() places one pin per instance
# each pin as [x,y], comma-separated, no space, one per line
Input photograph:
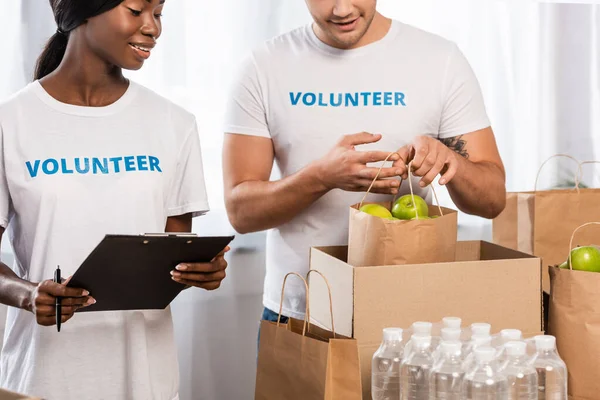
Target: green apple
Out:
[564,265]
[420,218]
[584,258]
[376,210]
[404,208]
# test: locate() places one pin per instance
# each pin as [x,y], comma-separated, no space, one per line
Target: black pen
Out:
[58,300]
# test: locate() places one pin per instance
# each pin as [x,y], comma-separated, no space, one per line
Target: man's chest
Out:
[310,106]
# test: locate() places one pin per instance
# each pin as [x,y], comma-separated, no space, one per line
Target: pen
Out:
[58,300]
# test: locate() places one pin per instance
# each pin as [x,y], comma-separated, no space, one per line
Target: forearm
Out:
[14,291]
[258,205]
[478,188]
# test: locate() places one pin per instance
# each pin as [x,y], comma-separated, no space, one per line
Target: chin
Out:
[132,66]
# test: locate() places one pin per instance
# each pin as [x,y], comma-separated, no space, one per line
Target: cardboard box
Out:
[6,395]
[486,283]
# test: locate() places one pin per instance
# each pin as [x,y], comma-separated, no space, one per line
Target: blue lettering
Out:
[295,98]
[46,165]
[33,171]
[115,161]
[63,165]
[129,163]
[377,99]
[400,99]
[154,164]
[97,165]
[321,104]
[352,100]
[365,96]
[78,166]
[387,99]
[311,102]
[333,101]
[142,163]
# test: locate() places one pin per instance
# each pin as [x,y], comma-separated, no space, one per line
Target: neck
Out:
[377,30]
[83,78]
[379,27]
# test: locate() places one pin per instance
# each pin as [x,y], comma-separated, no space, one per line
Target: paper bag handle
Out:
[573,236]
[306,314]
[330,302]
[409,184]
[580,173]
[537,178]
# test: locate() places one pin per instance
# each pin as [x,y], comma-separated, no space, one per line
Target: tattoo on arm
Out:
[457,144]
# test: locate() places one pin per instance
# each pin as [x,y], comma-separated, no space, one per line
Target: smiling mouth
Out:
[141,48]
[347,23]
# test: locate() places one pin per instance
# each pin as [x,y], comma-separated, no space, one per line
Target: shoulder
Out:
[154,105]
[424,43]
[10,105]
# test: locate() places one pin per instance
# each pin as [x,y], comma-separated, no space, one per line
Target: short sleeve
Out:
[463,106]
[246,111]
[188,190]
[5,199]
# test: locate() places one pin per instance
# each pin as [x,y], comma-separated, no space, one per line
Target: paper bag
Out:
[300,361]
[541,222]
[376,241]
[574,318]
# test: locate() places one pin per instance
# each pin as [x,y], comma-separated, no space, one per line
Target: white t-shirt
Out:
[304,95]
[68,176]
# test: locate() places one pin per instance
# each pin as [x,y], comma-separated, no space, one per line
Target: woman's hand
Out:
[42,301]
[202,275]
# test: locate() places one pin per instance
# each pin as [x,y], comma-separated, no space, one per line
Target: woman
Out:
[85,152]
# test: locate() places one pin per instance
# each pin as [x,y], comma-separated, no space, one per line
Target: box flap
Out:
[328,261]
[505,293]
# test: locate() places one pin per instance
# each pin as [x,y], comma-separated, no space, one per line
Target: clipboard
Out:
[133,272]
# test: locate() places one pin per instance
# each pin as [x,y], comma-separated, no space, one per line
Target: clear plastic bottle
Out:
[451,322]
[475,342]
[551,369]
[521,375]
[385,371]
[447,335]
[507,335]
[418,329]
[416,370]
[481,328]
[447,374]
[484,381]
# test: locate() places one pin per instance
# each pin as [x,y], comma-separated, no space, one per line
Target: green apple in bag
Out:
[405,208]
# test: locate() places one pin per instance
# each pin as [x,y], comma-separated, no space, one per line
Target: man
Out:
[310,98]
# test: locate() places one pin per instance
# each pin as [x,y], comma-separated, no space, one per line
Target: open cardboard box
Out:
[6,395]
[485,283]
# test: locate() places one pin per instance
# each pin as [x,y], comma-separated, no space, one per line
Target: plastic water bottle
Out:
[481,328]
[451,322]
[418,329]
[551,369]
[507,335]
[447,374]
[447,335]
[385,371]
[416,369]
[475,342]
[521,375]
[484,381]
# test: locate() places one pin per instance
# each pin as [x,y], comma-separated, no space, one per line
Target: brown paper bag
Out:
[300,361]
[541,222]
[575,321]
[377,241]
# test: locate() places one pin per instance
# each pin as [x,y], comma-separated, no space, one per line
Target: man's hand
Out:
[346,168]
[202,275]
[42,301]
[429,157]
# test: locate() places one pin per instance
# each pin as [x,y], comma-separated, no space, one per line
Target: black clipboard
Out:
[133,272]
